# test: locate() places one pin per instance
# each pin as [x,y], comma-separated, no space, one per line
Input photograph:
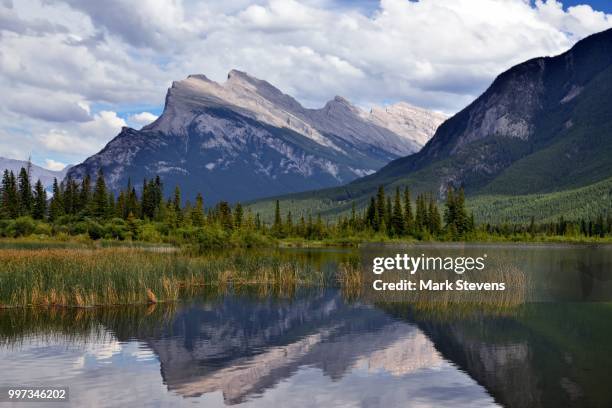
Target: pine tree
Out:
[10,196]
[435,222]
[25,192]
[388,212]
[99,201]
[289,224]
[450,212]
[225,215]
[176,201]
[56,207]
[82,200]
[397,218]
[39,208]
[238,215]
[461,213]
[277,227]
[70,196]
[408,217]
[420,218]
[197,212]
[380,208]
[370,215]
[111,208]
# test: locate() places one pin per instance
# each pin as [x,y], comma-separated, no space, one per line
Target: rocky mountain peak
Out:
[253,139]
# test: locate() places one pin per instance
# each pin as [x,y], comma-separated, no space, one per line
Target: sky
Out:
[73,72]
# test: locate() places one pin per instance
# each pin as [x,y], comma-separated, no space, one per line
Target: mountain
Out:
[36,172]
[245,139]
[542,127]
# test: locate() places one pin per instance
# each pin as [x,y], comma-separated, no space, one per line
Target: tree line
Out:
[89,206]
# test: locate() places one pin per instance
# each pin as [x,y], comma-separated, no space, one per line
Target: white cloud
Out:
[83,139]
[142,118]
[54,165]
[66,66]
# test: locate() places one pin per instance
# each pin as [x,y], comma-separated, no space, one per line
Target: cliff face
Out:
[544,125]
[245,139]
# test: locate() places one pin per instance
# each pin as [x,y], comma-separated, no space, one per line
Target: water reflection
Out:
[309,350]
[316,348]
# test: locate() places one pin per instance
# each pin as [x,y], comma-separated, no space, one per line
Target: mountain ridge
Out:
[245,139]
[543,126]
[46,176]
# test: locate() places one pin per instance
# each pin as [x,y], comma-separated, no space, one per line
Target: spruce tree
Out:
[277,227]
[10,196]
[176,201]
[238,215]
[289,224]
[408,217]
[397,218]
[225,216]
[25,192]
[99,201]
[39,208]
[435,222]
[370,215]
[197,212]
[380,208]
[56,207]
[388,213]
[82,199]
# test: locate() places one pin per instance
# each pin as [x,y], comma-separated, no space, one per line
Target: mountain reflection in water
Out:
[317,348]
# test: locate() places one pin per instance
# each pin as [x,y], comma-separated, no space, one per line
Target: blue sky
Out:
[73,72]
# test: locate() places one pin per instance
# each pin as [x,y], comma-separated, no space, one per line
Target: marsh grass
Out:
[84,277]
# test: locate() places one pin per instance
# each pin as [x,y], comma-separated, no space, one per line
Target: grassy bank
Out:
[119,276]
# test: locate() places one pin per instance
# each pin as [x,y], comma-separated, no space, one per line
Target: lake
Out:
[321,347]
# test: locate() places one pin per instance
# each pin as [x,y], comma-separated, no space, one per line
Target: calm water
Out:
[316,348]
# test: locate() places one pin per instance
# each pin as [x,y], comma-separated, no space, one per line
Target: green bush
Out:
[21,227]
[149,233]
[211,238]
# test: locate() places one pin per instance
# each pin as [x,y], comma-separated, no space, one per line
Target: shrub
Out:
[21,227]
[149,233]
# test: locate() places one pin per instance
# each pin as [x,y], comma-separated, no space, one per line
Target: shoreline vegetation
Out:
[88,210]
[87,247]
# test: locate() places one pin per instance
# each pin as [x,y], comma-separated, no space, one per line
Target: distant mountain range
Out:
[543,127]
[36,172]
[245,139]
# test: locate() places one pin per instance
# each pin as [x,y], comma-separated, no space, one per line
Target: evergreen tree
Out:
[70,196]
[397,218]
[277,227]
[39,208]
[289,224]
[420,217]
[25,192]
[177,205]
[10,196]
[99,201]
[110,208]
[461,213]
[435,222]
[56,207]
[370,215]
[408,217]
[238,215]
[197,212]
[388,213]
[380,208]
[225,215]
[450,211]
[82,200]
